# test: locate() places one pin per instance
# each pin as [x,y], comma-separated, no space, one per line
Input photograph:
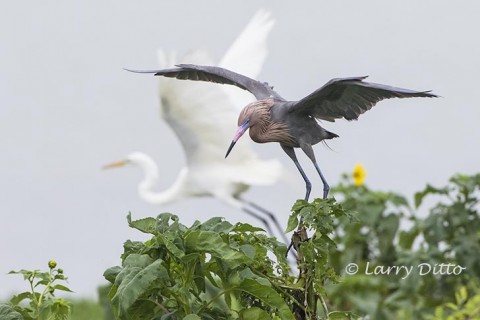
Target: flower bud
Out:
[52,264]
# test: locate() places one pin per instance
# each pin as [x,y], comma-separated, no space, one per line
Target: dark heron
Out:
[294,124]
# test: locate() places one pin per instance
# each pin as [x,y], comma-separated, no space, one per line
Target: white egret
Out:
[203,116]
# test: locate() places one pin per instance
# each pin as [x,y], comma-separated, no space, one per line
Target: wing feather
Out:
[348,98]
[217,75]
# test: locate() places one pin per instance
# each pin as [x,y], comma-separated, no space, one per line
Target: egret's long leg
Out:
[275,221]
[260,218]
[270,215]
[237,203]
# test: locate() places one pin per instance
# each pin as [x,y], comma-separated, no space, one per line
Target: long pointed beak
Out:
[240,131]
[115,164]
[230,148]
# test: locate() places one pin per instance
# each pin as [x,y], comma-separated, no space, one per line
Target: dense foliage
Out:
[368,252]
[216,270]
[442,251]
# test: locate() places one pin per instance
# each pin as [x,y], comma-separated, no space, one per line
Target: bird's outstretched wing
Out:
[348,98]
[217,75]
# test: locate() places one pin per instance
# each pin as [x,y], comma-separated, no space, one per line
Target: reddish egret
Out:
[294,123]
[184,106]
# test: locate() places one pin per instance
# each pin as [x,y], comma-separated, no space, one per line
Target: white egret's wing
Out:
[204,115]
[201,115]
[247,54]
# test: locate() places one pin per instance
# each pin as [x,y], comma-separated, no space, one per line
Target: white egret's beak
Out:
[115,164]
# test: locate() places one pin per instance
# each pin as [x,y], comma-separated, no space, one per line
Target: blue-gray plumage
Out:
[294,123]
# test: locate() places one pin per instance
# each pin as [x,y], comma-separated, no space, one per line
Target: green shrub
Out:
[216,270]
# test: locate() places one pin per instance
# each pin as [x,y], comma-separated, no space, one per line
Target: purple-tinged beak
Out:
[240,131]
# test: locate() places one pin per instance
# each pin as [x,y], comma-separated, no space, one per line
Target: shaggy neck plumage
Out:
[263,129]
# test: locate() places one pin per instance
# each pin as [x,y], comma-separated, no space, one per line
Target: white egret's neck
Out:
[147,185]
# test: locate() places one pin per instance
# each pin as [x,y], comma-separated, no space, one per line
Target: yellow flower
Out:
[359,175]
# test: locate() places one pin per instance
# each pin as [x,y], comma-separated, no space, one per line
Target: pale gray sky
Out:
[67,107]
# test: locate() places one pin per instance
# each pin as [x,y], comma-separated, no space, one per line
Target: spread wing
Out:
[349,97]
[217,75]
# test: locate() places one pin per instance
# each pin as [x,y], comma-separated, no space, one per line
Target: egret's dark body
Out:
[294,124]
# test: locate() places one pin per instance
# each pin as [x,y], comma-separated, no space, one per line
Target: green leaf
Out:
[130,247]
[451,306]
[22,271]
[192,317]
[41,282]
[59,310]
[26,273]
[387,229]
[461,295]
[137,260]
[171,247]
[248,274]
[133,283]
[245,227]
[146,225]
[398,200]
[429,190]
[190,258]
[143,309]
[45,276]
[62,288]
[111,273]
[268,296]
[216,224]
[299,204]
[59,277]
[292,223]
[249,250]
[342,315]
[169,315]
[164,225]
[254,313]
[7,312]
[406,238]
[199,276]
[20,297]
[212,242]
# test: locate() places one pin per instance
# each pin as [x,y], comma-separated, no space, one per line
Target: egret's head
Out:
[135,158]
[116,164]
[244,122]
